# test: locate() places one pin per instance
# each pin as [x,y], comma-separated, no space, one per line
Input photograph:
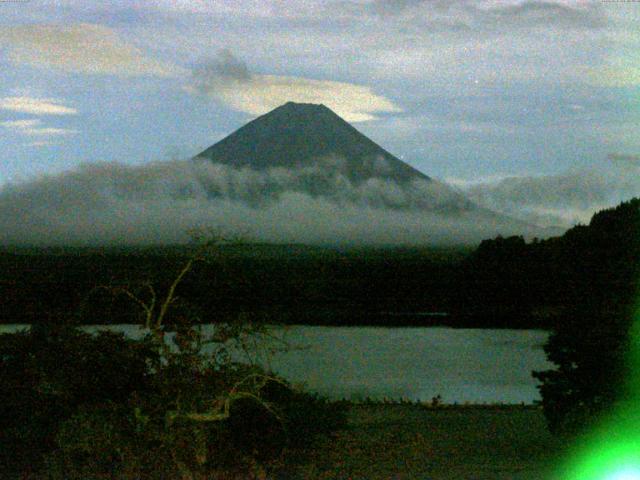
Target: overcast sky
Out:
[461,90]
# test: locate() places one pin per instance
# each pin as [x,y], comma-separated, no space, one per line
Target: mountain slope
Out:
[306,149]
[296,135]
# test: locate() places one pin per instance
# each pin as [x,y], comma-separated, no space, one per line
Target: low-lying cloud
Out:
[108,203]
[559,200]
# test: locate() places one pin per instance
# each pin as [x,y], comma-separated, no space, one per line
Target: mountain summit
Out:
[299,135]
[305,151]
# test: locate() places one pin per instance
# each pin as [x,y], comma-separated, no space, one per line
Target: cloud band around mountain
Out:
[160,203]
[557,200]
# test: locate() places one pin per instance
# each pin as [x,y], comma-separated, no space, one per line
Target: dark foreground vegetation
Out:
[293,284]
[174,404]
[594,341]
[75,405]
[505,282]
[79,406]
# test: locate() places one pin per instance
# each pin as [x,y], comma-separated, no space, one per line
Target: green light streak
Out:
[612,450]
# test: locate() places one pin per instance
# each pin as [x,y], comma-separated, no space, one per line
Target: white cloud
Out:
[556,200]
[252,8]
[20,124]
[49,131]
[617,74]
[80,48]
[40,143]
[160,203]
[227,79]
[36,106]
[354,103]
[466,183]
[33,127]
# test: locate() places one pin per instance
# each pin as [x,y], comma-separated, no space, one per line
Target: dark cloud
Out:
[532,13]
[391,7]
[456,15]
[224,68]
[625,158]
[229,66]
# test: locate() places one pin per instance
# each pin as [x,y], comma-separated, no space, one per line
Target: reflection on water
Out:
[460,365]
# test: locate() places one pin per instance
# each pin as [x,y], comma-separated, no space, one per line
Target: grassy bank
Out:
[411,441]
[394,441]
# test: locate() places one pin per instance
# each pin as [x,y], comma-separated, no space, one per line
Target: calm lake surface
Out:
[460,365]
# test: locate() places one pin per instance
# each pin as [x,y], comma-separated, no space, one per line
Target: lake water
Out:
[460,365]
